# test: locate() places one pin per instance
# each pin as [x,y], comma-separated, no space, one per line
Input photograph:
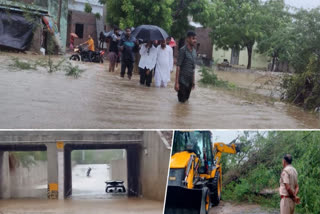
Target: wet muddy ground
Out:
[232,208]
[99,99]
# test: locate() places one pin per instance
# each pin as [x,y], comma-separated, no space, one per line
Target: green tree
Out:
[277,39]
[137,12]
[87,8]
[237,24]
[182,10]
[258,167]
[303,54]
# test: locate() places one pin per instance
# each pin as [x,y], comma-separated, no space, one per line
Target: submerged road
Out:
[96,206]
[88,197]
[99,99]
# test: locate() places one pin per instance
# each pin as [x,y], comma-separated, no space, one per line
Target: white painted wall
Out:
[78,5]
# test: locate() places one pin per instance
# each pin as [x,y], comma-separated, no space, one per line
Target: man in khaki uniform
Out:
[289,187]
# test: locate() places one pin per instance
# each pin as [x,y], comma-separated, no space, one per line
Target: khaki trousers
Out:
[287,206]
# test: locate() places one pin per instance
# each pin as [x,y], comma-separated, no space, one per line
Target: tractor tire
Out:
[208,203]
[216,190]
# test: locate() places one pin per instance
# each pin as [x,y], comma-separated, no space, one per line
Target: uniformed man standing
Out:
[289,187]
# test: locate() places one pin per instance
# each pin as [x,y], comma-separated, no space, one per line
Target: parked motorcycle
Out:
[81,54]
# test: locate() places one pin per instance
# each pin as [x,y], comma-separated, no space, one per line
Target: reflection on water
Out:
[99,99]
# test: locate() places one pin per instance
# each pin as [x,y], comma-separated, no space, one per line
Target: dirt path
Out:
[230,208]
[99,99]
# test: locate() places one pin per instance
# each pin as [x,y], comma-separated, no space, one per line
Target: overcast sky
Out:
[307,4]
[226,136]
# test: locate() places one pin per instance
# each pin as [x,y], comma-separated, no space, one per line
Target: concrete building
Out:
[204,45]
[79,5]
[241,57]
[147,155]
[39,9]
[82,23]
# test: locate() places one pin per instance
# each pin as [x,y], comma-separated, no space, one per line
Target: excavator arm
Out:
[220,148]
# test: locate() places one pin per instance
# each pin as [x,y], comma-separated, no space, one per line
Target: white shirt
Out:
[148,58]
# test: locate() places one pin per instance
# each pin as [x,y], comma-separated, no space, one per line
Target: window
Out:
[79,30]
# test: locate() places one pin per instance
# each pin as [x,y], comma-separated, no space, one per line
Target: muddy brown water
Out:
[99,99]
[119,206]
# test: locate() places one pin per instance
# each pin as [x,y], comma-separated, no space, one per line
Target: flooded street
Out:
[96,206]
[92,186]
[99,99]
[88,195]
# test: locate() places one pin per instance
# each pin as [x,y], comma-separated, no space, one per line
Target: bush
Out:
[97,15]
[208,77]
[304,88]
[258,167]
[87,8]
[73,70]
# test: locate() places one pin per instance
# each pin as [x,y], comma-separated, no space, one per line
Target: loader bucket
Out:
[181,200]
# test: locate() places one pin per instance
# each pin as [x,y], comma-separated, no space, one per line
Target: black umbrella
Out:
[149,33]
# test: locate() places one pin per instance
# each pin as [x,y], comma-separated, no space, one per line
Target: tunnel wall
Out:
[25,181]
[154,167]
[119,171]
[4,175]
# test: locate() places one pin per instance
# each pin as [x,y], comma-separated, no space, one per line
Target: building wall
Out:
[206,45]
[258,60]
[155,162]
[119,171]
[89,22]
[21,182]
[53,11]
[79,5]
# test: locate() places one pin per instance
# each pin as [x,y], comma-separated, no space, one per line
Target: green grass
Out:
[74,71]
[208,77]
[22,65]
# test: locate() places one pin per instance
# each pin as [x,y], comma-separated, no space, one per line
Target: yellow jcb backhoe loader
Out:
[195,177]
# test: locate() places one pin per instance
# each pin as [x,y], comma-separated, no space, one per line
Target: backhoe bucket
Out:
[181,200]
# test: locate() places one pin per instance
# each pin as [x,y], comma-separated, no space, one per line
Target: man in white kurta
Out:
[164,65]
[147,62]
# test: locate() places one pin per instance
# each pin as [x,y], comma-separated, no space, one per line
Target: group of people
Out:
[156,60]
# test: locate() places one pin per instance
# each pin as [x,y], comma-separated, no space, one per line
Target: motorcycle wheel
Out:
[75,57]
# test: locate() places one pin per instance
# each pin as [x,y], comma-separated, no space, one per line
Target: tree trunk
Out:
[273,63]
[249,48]
[59,15]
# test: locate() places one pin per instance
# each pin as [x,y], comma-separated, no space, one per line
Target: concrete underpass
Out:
[146,165]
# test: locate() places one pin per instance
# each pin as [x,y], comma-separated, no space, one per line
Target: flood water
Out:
[99,99]
[96,206]
[88,197]
[92,186]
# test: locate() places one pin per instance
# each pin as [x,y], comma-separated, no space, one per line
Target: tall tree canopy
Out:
[171,15]
[137,12]
[237,24]
[182,10]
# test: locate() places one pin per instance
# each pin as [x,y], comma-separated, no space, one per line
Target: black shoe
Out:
[129,77]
